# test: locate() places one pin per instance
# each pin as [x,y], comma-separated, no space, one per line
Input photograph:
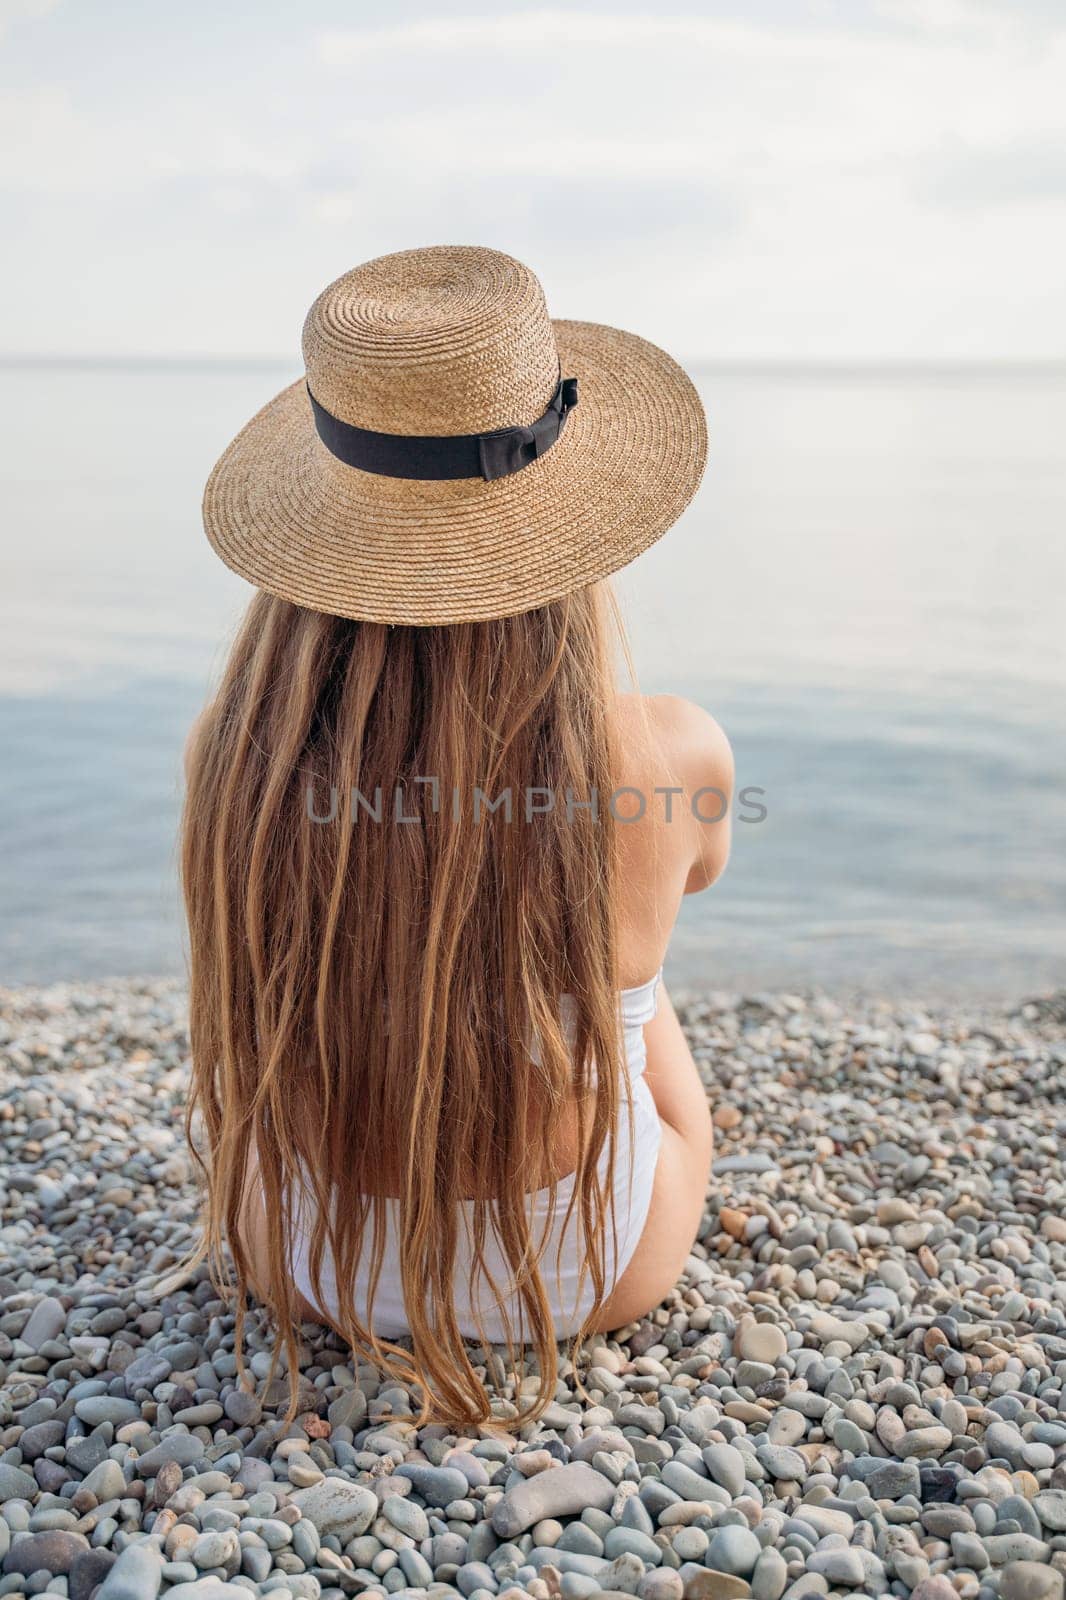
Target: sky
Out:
[767,180]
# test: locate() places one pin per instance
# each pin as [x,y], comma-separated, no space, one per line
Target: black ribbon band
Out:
[452,455]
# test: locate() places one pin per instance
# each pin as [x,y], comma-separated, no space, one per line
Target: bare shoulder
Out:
[678,736]
[677,754]
[697,742]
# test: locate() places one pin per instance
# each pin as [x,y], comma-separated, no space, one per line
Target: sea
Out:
[869,593]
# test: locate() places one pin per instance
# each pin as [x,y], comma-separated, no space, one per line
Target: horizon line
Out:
[734,366]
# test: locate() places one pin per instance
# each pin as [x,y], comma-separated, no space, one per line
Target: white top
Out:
[561,1259]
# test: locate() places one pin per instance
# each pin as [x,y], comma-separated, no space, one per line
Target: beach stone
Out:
[582,1539]
[182,1448]
[213,1589]
[100,1408]
[839,1566]
[754,1374]
[886,1478]
[942,1521]
[686,1482]
[136,1575]
[85,1454]
[1015,1508]
[16,1484]
[937,1483]
[690,1543]
[757,1163]
[761,1342]
[826,1520]
[87,1571]
[559,1492]
[348,1410]
[145,1372]
[1030,1580]
[631,1541]
[661,1583]
[706,1584]
[934,1588]
[256,1475]
[338,1507]
[33,1442]
[53,1551]
[1050,1507]
[276,1535]
[438,1486]
[781,1462]
[786,1427]
[242,1408]
[769,1580]
[406,1516]
[1003,1439]
[1002,1548]
[256,1563]
[417,1570]
[922,1442]
[726,1467]
[733,1550]
[969,1551]
[46,1322]
[834,1330]
[216,1548]
[106,1481]
[846,1436]
[624,1571]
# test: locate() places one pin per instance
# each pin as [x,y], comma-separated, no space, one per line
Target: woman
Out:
[431,856]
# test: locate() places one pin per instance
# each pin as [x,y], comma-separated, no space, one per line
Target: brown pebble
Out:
[711,1585]
[928,1262]
[732,1222]
[167,1482]
[935,1339]
[934,1588]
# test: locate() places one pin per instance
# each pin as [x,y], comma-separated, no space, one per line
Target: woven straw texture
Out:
[454,340]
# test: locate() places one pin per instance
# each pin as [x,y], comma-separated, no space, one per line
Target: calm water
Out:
[868,593]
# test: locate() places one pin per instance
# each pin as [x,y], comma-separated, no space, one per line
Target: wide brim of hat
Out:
[289,517]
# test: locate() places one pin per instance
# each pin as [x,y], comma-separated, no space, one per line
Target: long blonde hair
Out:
[364,992]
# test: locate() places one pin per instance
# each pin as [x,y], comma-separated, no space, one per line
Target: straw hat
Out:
[370,489]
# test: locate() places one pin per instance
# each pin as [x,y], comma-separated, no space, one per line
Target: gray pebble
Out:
[46,1322]
[101,1408]
[557,1492]
[769,1579]
[338,1507]
[726,1466]
[734,1550]
[136,1575]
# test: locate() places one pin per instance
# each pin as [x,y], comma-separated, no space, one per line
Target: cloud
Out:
[642,92]
[538,31]
[971,178]
[15,11]
[937,15]
[988,17]
[883,178]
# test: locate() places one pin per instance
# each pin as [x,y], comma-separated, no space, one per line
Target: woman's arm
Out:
[674,1080]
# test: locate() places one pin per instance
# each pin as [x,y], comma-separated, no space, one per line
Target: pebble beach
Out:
[857,1388]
